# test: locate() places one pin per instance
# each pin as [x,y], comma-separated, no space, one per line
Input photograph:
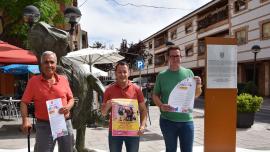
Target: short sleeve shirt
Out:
[165,82]
[132,91]
[39,91]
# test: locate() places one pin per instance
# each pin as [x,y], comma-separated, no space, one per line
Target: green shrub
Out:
[250,88]
[247,103]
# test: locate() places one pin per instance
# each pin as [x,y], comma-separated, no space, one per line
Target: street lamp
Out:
[255,49]
[31,15]
[72,16]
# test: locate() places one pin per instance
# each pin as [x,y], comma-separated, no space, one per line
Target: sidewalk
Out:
[254,139]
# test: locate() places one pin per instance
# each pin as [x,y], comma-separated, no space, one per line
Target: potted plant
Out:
[247,105]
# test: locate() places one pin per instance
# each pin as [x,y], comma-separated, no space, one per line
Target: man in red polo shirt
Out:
[39,89]
[123,88]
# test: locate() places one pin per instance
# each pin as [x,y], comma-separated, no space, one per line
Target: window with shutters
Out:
[189,50]
[241,36]
[240,5]
[265,30]
[201,47]
[173,34]
[188,27]
[150,45]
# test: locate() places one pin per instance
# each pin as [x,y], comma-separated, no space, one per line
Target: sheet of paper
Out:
[183,95]
[125,117]
[57,121]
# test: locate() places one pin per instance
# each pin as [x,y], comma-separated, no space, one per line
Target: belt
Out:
[41,120]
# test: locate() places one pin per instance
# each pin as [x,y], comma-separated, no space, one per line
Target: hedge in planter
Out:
[247,105]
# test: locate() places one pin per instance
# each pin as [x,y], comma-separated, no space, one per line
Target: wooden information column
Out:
[220,95]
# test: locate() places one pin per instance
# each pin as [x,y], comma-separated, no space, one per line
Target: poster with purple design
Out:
[125,117]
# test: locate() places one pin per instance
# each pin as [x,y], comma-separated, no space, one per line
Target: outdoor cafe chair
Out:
[3,106]
[11,107]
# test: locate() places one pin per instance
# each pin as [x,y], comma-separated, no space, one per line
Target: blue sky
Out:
[107,22]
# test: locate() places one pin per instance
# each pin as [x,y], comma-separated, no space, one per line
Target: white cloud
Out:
[108,22]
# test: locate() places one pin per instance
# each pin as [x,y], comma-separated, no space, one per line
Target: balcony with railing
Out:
[160,40]
[211,18]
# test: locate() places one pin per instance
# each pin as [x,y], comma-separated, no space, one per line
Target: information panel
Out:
[221,66]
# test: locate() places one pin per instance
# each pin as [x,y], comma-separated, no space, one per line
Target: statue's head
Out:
[44,37]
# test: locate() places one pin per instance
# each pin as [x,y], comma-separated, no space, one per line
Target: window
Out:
[188,27]
[173,34]
[160,59]
[241,36]
[189,50]
[150,45]
[150,61]
[75,45]
[160,39]
[201,47]
[265,30]
[240,5]
[84,39]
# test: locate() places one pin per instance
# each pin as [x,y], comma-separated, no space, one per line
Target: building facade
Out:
[246,20]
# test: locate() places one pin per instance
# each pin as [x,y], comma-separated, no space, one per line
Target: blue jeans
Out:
[116,142]
[172,130]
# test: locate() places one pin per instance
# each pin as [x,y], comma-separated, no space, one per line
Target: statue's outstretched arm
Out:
[96,83]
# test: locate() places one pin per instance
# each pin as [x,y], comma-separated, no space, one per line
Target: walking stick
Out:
[28,138]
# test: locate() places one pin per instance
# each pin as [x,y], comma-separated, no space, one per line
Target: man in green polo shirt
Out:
[174,125]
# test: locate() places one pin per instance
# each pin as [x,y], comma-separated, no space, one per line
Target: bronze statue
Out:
[43,37]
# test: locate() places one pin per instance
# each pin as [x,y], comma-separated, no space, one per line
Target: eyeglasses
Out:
[175,56]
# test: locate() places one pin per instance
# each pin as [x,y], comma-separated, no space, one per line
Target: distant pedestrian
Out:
[47,86]
[174,125]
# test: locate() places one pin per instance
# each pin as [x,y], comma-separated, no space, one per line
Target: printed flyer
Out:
[183,95]
[57,120]
[125,117]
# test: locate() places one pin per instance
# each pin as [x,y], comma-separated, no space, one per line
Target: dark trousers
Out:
[116,142]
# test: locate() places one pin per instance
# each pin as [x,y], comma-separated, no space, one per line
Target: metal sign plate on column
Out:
[221,66]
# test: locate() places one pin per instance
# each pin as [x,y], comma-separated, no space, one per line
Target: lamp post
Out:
[72,16]
[255,49]
[31,15]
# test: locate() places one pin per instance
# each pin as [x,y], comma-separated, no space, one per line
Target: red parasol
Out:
[10,54]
